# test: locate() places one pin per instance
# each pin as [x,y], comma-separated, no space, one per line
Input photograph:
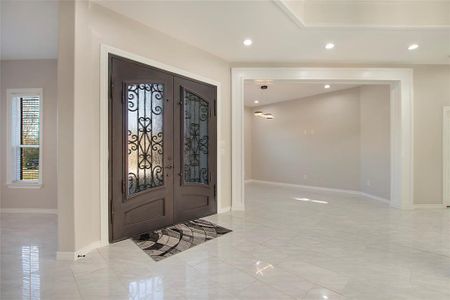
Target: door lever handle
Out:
[169,167]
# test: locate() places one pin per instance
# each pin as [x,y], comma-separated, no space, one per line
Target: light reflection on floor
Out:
[151,288]
[310,200]
[261,267]
[31,276]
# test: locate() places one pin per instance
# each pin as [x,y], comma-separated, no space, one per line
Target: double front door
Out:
[162,151]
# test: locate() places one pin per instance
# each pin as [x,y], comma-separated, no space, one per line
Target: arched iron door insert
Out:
[195,127]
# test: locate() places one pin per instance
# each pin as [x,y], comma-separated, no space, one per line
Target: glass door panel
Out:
[145,137]
[195,158]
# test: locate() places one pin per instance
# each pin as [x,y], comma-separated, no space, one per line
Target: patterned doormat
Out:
[162,243]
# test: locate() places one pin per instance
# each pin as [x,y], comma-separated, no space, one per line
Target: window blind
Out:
[27,154]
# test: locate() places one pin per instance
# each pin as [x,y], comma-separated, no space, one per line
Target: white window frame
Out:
[11,160]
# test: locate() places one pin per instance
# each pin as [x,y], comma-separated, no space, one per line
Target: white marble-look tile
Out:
[92,262]
[289,283]
[313,273]
[320,293]
[206,291]
[101,283]
[225,275]
[261,291]
[280,248]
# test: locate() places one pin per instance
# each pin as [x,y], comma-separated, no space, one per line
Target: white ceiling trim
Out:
[294,10]
[325,14]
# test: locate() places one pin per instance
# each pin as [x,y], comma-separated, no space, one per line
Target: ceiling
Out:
[284,90]
[219,27]
[29,29]
[280,33]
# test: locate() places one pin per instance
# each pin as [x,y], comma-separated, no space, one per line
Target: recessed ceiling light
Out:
[329,46]
[247,42]
[256,101]
[413,47]
[326,86]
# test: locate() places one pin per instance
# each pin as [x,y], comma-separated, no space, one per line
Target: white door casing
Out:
[446,156]
[401,82]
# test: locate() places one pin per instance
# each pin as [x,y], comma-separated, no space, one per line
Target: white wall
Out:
[95,25]
[17,74]
[248,154]
[311,141]
[375,140]
[334,140]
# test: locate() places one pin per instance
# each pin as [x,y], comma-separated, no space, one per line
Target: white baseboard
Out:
[308,187]
[439,205]
[375,197]
[67,255]
[349,192]
[238,207]
[85,250]
[224,210]
[28,211]
[322,189]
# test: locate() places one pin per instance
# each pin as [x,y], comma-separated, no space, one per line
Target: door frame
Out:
[105,50]
[446,155]
[402,118]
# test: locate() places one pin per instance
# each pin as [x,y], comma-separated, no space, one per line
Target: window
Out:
[25,140]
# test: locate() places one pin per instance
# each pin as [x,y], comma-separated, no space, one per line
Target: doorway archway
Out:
[400,81]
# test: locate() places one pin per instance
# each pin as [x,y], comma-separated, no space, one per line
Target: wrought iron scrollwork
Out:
[196,113]
[145,136]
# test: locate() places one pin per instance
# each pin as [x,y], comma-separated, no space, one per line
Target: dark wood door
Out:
[195,149]
[162,143]
[141,148]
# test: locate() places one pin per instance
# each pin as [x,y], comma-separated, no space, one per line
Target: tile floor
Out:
[323,246]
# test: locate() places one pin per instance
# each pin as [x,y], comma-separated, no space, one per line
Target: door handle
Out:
[169,167]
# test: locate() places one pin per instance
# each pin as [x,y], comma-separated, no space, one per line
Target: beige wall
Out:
[17,74]
[375,140]
[335,140]
[431,94]
[95,25]
[311,141]
[66,86]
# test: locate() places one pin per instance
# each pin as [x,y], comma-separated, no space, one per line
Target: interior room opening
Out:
[320,136]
